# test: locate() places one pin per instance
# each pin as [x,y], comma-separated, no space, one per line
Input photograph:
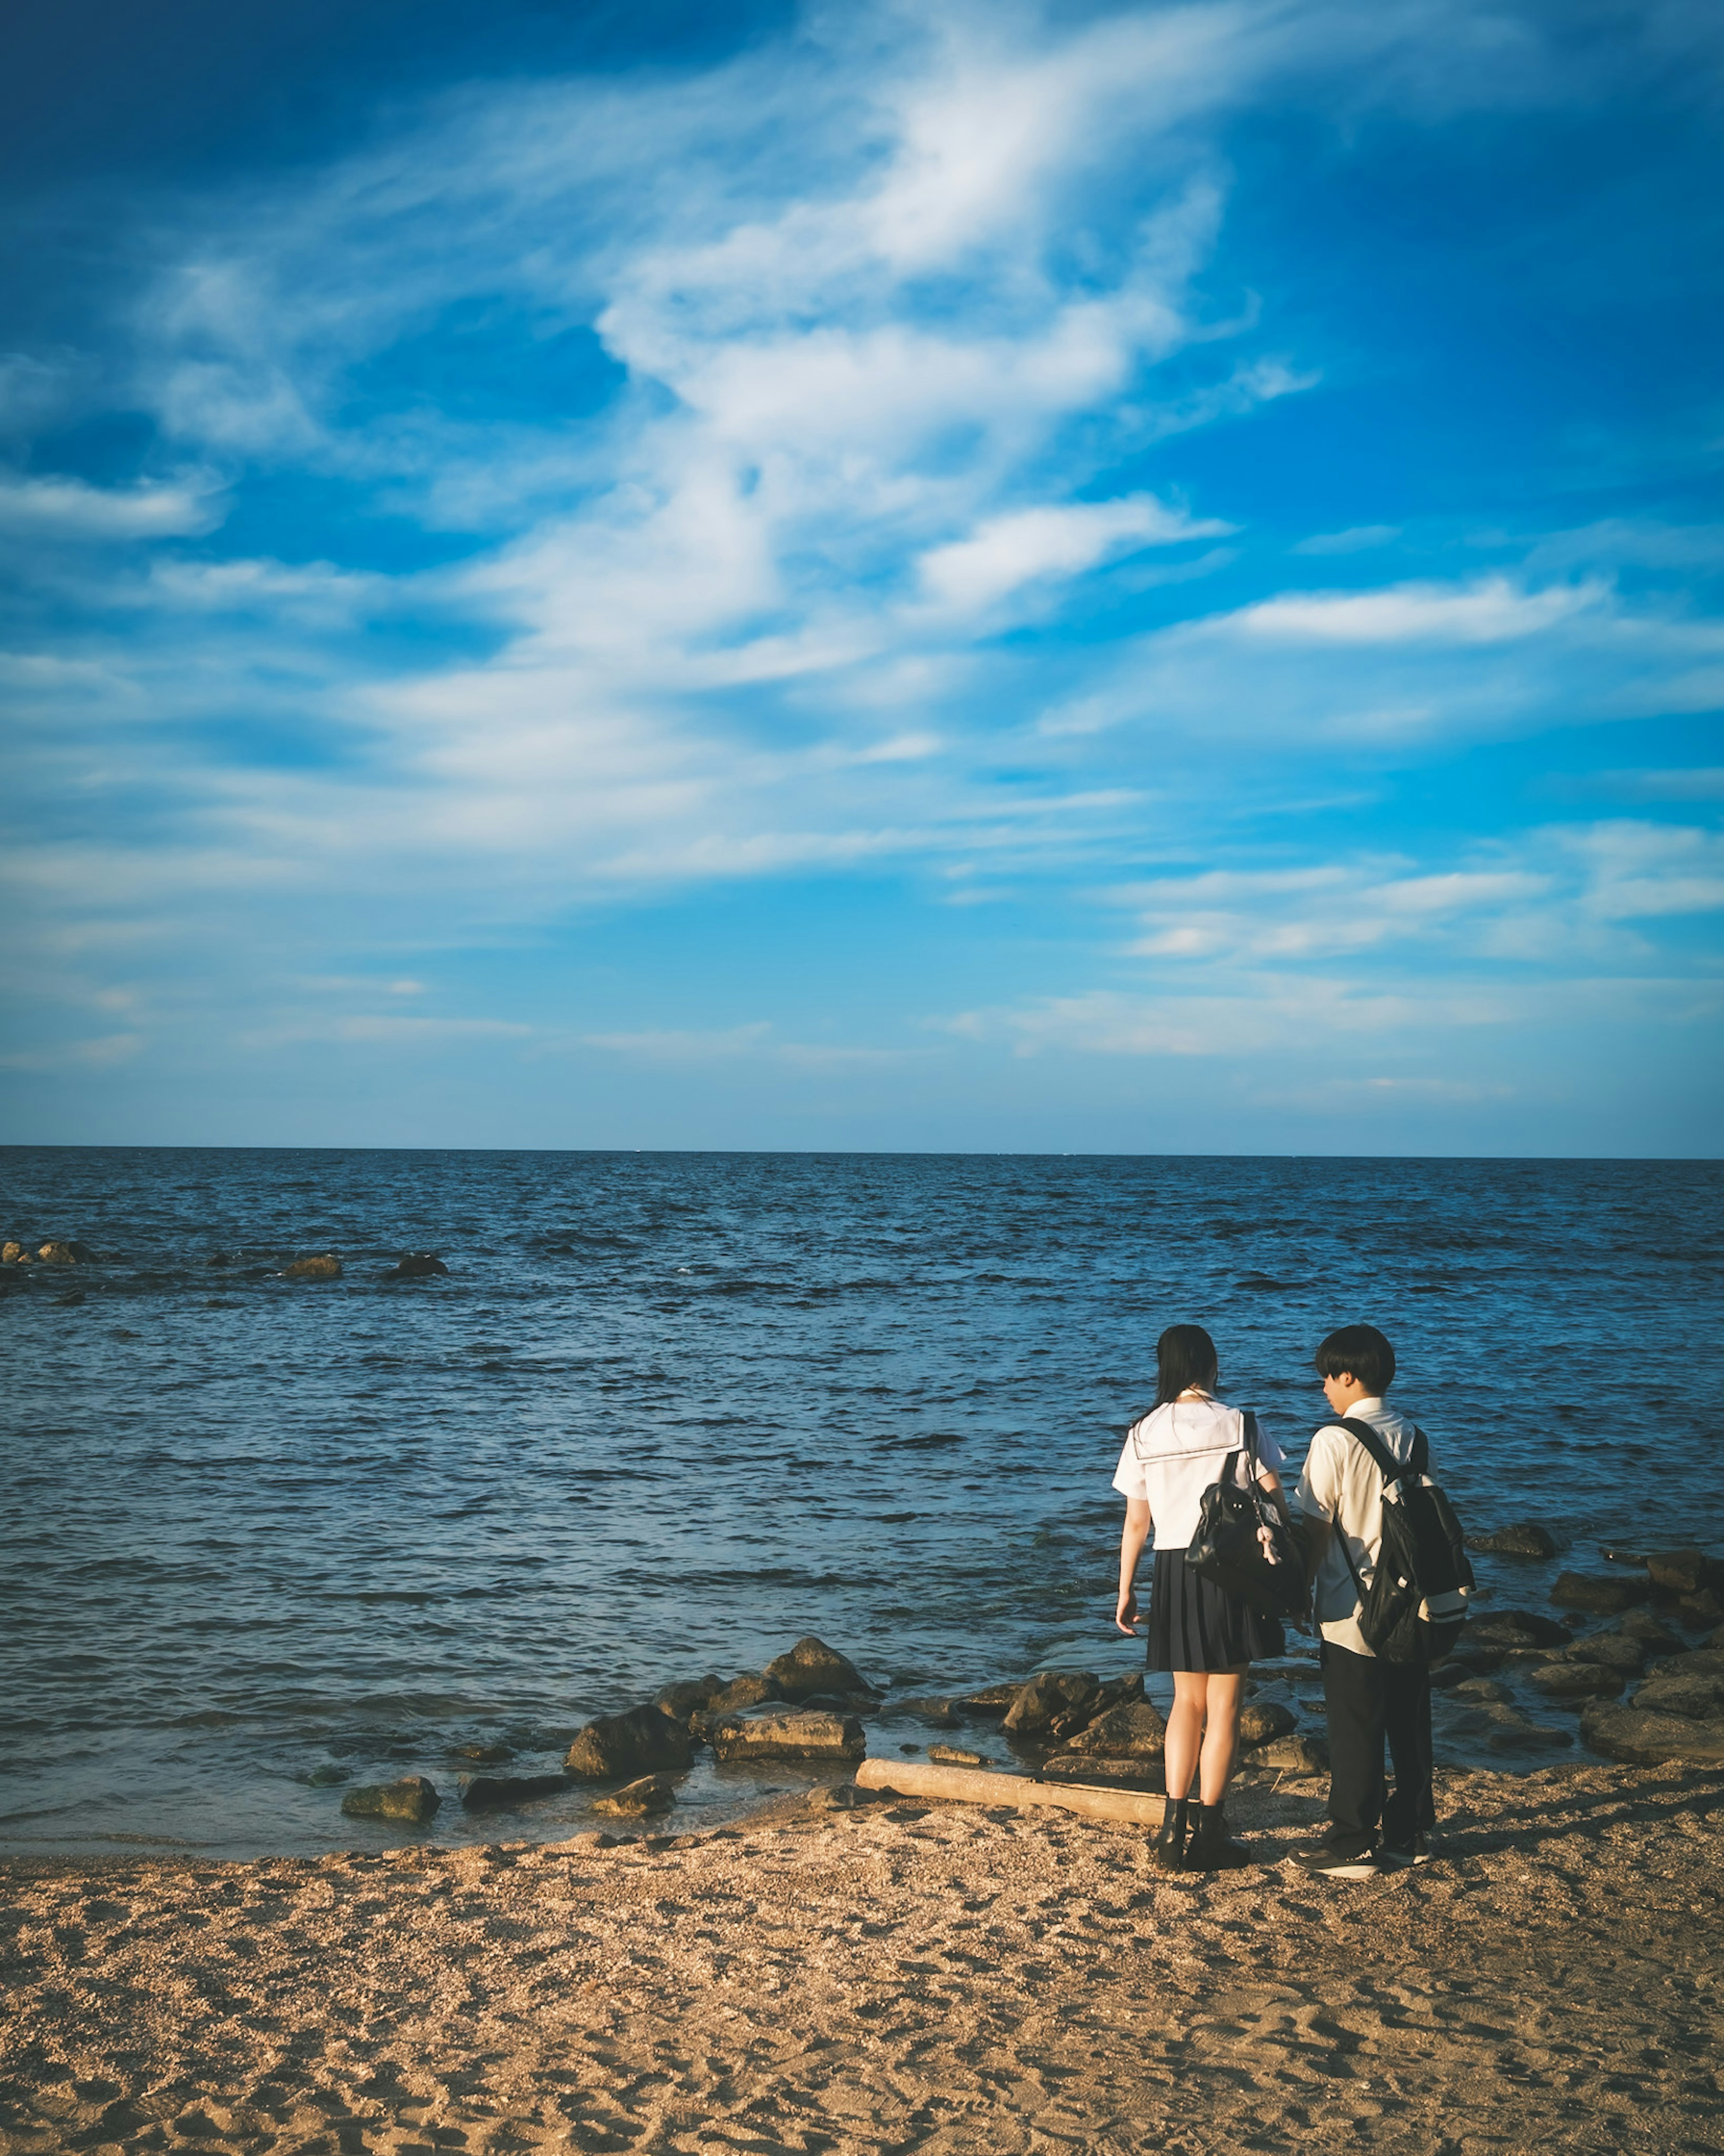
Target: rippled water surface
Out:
[669,1411]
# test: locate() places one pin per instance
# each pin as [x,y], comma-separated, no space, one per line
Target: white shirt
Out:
[1175,1452]
[1343,1485]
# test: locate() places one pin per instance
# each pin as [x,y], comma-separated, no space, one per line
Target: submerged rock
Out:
[954,1755]
[66,1253]
[614,1748]
[1522,1736]
[1567,1679]
[1643,1737]
[412,1797]
[1693,1686]
[838,1737]
[932,1714]
[992,1700]
[327,1267]
[1706,1608]
[812,1666]
[417,1265]
[642,1799]
[485,1755]
[1683,1571]
[1525,1538]
[1650,1632]
[488,1792]
[1609,1594]
[1515,1628]
[1616,1651]
[1482,1688]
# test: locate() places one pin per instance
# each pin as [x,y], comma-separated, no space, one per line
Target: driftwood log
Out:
[972,1785]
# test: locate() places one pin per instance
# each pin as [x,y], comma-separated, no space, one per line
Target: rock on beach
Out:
[642,1799]
[1642,1737]
[412,1798]
[1577,1680]
[1131,1730]
[1515,1628]
[491,1792]
[1263,1721]
[1610,1594]
[615,1747]
[811,1666]
[838,1739]
[688,1697]
[1684,1571]
[1525,1538]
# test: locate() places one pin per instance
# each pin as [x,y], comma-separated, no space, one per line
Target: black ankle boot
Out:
[1170,1842]
[1211,1847]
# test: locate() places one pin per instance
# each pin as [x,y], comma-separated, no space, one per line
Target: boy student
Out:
[1340,1499]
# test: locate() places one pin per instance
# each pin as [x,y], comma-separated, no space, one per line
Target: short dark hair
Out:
[1360,1352]
[1184,1355]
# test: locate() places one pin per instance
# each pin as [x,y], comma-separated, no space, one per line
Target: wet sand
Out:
[895,1979]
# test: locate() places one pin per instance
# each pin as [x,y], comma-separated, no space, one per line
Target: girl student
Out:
[1196,1631]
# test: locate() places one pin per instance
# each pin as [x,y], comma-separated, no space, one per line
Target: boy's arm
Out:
[1132,1538]
[1319,1494]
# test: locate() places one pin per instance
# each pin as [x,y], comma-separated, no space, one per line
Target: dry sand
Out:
[894,1978]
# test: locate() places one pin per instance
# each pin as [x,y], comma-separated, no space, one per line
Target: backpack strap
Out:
[1392,1470]
[1250,1420]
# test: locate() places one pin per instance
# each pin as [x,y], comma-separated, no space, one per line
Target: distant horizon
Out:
[932,579]
[860,1153]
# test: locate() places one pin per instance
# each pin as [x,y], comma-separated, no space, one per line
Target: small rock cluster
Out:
[57,1250]
[1644,1694]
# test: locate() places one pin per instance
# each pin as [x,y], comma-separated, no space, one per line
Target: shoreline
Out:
[898,1976]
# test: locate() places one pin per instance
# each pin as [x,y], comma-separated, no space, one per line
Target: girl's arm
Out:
[1269,1480]
[1131,1541]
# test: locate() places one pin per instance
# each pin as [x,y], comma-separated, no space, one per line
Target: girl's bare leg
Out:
[1185,1730]
[1224,1695]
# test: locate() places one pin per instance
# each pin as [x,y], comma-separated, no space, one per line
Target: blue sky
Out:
[1119,578]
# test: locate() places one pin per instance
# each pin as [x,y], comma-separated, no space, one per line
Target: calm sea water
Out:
[671,1411]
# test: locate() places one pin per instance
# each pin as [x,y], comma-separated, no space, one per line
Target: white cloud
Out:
[1006,551]
[1490,610]
[755,1042]
[1356,539]
[66,508]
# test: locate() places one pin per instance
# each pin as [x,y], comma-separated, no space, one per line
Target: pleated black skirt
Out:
[1192,1625]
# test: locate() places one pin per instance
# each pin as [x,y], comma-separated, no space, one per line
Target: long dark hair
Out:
[1184,1355]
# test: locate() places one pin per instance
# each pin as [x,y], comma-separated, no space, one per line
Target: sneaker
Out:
[1332,1863]
[1400,1858]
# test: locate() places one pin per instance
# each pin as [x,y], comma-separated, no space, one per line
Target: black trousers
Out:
[1372,1703]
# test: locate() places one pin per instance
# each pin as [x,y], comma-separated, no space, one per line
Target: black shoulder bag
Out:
[1227,1547]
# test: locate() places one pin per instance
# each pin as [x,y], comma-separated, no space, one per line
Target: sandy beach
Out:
[895,1978]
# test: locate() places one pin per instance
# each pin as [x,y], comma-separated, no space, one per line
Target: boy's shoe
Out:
[1399,1858]
[1324,1859]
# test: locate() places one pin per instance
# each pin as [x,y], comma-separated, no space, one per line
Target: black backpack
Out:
[1415,1605]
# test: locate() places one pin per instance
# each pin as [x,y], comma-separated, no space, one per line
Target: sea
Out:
[263,1538]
